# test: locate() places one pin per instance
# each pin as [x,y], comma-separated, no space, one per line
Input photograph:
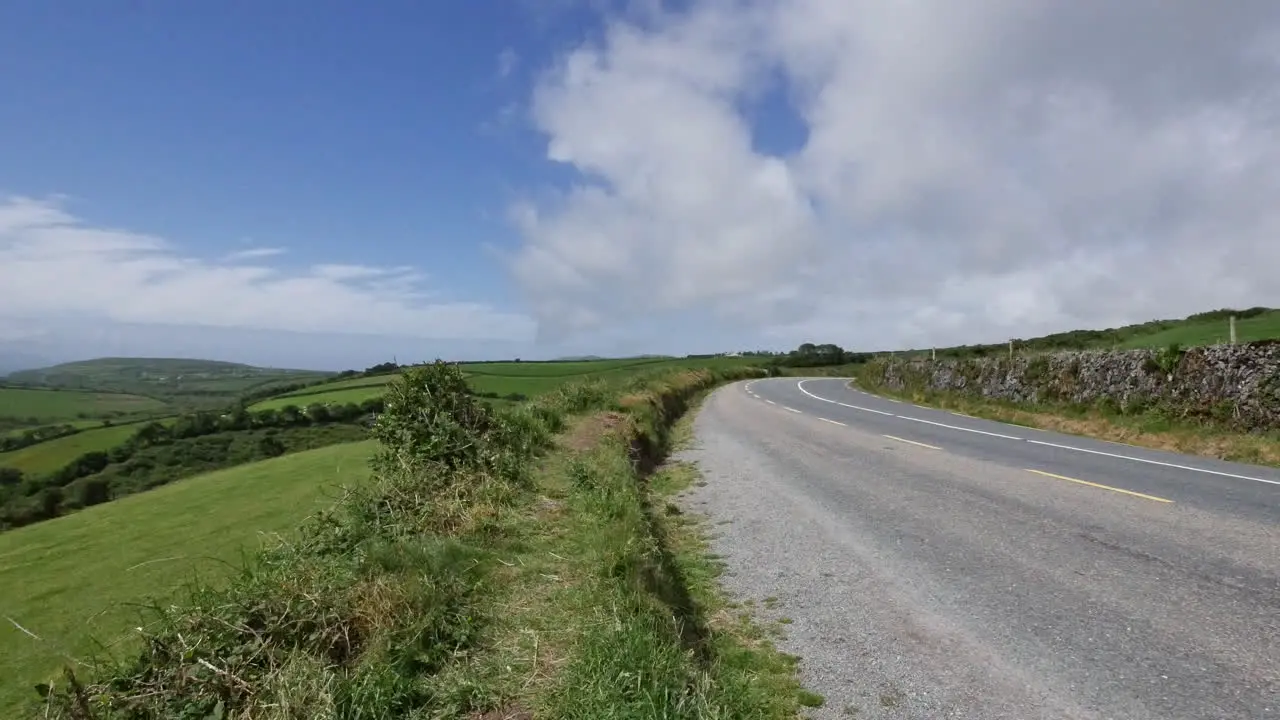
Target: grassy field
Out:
[340,396]
[44,407]
[82,424]
[184,383]
[49,456]
[504,378]
[1211,332]
[67,579]
[560,369]
[1209,328]
[374,381]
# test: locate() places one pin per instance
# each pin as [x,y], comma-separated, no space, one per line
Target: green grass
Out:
[74,577]
[48,406]
[49,456]
[1209,328]
[533,379]
[374,381]
[1211,332]
[504,378]
[355,395]
[186,383]
[567,369]
[82,424]
[634,593]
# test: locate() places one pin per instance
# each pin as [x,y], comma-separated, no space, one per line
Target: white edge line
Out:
[957,427]
[770,402]
[1220,473]
[913,442]
[833,422]
[1157,462]
[800,386]
[790,409]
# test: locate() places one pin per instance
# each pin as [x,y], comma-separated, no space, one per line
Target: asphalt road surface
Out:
[932,565]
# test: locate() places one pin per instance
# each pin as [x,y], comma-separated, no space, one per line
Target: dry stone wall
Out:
[1234,385]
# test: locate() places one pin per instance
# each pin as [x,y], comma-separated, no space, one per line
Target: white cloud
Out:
[54,266]
[254,253]
[971,170]
[507,61]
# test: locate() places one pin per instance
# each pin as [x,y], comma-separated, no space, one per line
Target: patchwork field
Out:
[185,384]
[502,378]
[72,578]
[49,456]
[77,577]
[322,394]
[44,407]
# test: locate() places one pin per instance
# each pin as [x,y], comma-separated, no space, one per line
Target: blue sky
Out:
[345,132]
[328,184]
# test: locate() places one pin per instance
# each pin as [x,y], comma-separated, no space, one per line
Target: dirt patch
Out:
[587,432]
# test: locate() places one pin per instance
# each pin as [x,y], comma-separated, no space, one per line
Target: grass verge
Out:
[459,582]
[1151,429]
[621,613]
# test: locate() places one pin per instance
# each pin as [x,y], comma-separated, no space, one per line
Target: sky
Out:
[330,184]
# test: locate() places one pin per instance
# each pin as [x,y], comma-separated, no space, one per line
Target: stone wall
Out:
[1234,385]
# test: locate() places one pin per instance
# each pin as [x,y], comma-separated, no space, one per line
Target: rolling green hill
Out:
[75,578]
[183,383]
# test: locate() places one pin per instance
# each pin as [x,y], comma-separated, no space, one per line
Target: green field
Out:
[69,578]
[51,455]
[184,383]
[1207,328]
[323,396]
[82,424]
[374,381]
[562,369]
[504,378]
[44,407]
[1211,332]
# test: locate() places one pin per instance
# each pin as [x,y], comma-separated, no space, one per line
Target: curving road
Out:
[935,565]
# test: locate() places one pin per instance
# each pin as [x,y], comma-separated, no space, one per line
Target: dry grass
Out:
[1139,430]
[587,432]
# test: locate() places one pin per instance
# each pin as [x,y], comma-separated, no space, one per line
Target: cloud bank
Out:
[70,290]
[966,172]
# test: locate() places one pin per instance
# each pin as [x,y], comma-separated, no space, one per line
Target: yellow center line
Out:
[1098,485]
[913,442]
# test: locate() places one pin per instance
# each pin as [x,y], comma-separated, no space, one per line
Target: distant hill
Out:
[182,381]
[1207,328]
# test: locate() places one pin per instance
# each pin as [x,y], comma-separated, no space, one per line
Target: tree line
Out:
[819,355]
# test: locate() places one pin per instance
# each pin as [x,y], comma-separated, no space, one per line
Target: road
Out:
[935,565]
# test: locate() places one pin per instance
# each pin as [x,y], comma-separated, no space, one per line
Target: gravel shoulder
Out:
[921,584]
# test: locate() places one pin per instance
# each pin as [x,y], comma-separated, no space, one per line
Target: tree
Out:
[10,476]
[270,446]
[92,491]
